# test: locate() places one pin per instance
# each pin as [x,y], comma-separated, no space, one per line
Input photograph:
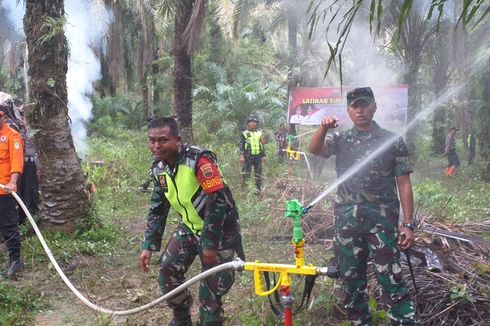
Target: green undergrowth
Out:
[455,202]
[103,239]
[18,305]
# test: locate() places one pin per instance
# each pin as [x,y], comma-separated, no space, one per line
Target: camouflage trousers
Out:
[182,249]
[365,232]
[256,162]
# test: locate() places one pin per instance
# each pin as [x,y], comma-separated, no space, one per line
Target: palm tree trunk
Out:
[183,74]
[65,199]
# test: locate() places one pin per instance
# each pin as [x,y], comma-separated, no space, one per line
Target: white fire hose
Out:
[236,265]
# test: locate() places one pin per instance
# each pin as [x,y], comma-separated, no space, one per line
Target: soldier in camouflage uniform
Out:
[187,179]
[367,209]
[252,153]
[450,152]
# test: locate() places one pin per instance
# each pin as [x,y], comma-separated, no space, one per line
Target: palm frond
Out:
[225,14]
[194,26]
[165,12]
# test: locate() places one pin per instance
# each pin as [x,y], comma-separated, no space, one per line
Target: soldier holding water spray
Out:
[367,209]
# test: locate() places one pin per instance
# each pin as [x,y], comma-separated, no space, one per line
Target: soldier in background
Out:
[450,151]
[252,152]
[471,147]
[281,138]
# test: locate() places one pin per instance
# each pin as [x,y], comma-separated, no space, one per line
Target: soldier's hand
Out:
[329,122]
[242,159]
[406,238]
[145,257]
[209,257]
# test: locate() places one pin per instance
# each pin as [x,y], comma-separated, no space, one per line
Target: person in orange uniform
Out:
[11,165]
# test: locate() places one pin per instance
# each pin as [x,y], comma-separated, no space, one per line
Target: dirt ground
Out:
[115,282]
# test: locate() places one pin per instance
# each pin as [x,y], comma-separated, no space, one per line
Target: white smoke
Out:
[15,10]
[87,23]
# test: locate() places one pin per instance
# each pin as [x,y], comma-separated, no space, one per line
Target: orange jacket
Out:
[11,154]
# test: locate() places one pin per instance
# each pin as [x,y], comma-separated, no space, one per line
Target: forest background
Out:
[212,64]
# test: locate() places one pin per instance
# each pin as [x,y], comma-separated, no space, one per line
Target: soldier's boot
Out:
[13,268]
[446,172]
[182,317]
[452,171]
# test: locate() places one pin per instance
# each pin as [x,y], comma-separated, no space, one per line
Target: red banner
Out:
[307,106]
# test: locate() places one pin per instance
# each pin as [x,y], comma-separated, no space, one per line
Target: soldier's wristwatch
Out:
[410,226]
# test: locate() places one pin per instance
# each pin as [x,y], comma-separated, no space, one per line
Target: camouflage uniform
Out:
[452,156]
[220,231]
[281,137]
[366,220]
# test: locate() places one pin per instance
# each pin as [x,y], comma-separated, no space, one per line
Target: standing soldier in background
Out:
[11,165]
[450,152]
[471,147]
[281,137]
[252,152]
[188,179]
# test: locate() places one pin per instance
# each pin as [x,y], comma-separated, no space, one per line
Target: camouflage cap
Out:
[360,94]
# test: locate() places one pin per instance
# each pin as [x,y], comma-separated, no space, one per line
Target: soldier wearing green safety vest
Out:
[252,152]
[187,179]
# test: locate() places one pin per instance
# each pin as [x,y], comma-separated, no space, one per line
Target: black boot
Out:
[13,268]
[182,317]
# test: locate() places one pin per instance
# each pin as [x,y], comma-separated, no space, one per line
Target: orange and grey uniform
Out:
[11,161]
[252,148]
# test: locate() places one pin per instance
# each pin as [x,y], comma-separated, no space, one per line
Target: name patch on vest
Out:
[163,182]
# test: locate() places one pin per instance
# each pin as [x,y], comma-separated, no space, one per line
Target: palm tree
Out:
[470,12]
[65,199]
[414,34]
[188,18]
[131,50]
[183,65]
[439,54]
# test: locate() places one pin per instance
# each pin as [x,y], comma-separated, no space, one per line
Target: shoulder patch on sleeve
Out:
[207,170]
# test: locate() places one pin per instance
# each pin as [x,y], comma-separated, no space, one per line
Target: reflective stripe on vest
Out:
[185,195]
[252,142]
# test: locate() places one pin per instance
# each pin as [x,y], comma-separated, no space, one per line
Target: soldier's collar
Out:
[374,130]
[183,148]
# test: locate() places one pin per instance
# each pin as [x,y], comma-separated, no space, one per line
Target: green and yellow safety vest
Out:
[182,190]
[253,146]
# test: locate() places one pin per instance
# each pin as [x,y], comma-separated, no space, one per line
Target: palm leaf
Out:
[404,10]
[194,26]
[225,14]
